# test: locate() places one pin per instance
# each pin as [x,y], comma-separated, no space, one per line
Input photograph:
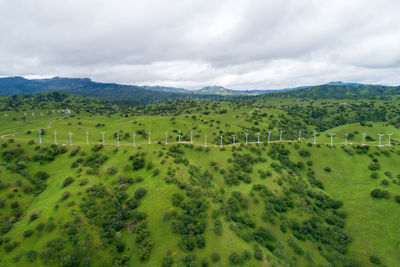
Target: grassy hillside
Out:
[283,203]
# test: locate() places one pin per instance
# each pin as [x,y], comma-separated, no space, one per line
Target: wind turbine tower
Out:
[233,136]
[258,138]
[191,137]
[117,139]
[205,141]
[269,136]
[380,138]
[315,137]
[55,137]
[390,135]
[363,138]
[280,136]
[149,137]
[221,142]
[345,139]
[179,137]
[40,136]
[87,137]
[332,139]
[166,137]
[103,133]
[246,139]
[299,135]
[70,138]
[134,139]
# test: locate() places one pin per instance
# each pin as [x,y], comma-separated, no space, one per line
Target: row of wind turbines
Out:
[221,138]
[64,112]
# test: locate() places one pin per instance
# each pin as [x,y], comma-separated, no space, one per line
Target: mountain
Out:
[219,90]
[86,87]
[342,91]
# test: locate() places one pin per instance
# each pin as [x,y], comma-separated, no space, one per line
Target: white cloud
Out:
[251,44]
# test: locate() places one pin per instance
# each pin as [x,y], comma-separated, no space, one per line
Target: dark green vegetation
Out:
[283,203]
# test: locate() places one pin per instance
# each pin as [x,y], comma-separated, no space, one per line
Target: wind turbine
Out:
[134,139]
[269,136]
[221,142]
[70,138]
[246,139]
[149,137]
[299,135]
[103,133]
[179,137]
[166,137]
[380,138]
[390,135]
[363,138]
[40,136]
[55,137]
[233,136]
[258,138]
[205,141]
[315,137]
[191,137]
[87,137]
[332,139]
[117,139]
[345,139]
[280,136]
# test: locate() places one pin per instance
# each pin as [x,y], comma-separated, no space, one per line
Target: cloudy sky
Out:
[249,44]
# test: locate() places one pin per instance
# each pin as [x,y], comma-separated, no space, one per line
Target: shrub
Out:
[42,175]
[68,181]
[374,175]
[327,169]
[167,260]
[28,233]
[215,257]
[31,255]
[33,216]
[378,193]
[120,246]
[177,199]
[374,260]
[397,198]
[304,153]
[235,259]
[140,192]
[258,255]
[65,195]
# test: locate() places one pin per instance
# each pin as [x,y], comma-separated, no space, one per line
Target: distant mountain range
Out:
[152,94]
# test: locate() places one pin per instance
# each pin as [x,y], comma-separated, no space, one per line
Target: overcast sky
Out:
[245,44]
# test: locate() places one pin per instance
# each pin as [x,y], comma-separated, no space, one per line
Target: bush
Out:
[31,255]
[120,246]
[374,260]
[215,257]
[28,233]
[235,259]
[65,195]
[304,153]
[167,260]
[68,181]
[397,198]
[258,255]
[327,169]
[378,193]
[33,216]
[140,192]
[42,175]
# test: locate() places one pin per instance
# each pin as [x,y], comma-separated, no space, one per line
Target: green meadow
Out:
[286,203]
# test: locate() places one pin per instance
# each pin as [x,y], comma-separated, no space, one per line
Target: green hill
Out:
[285,203]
